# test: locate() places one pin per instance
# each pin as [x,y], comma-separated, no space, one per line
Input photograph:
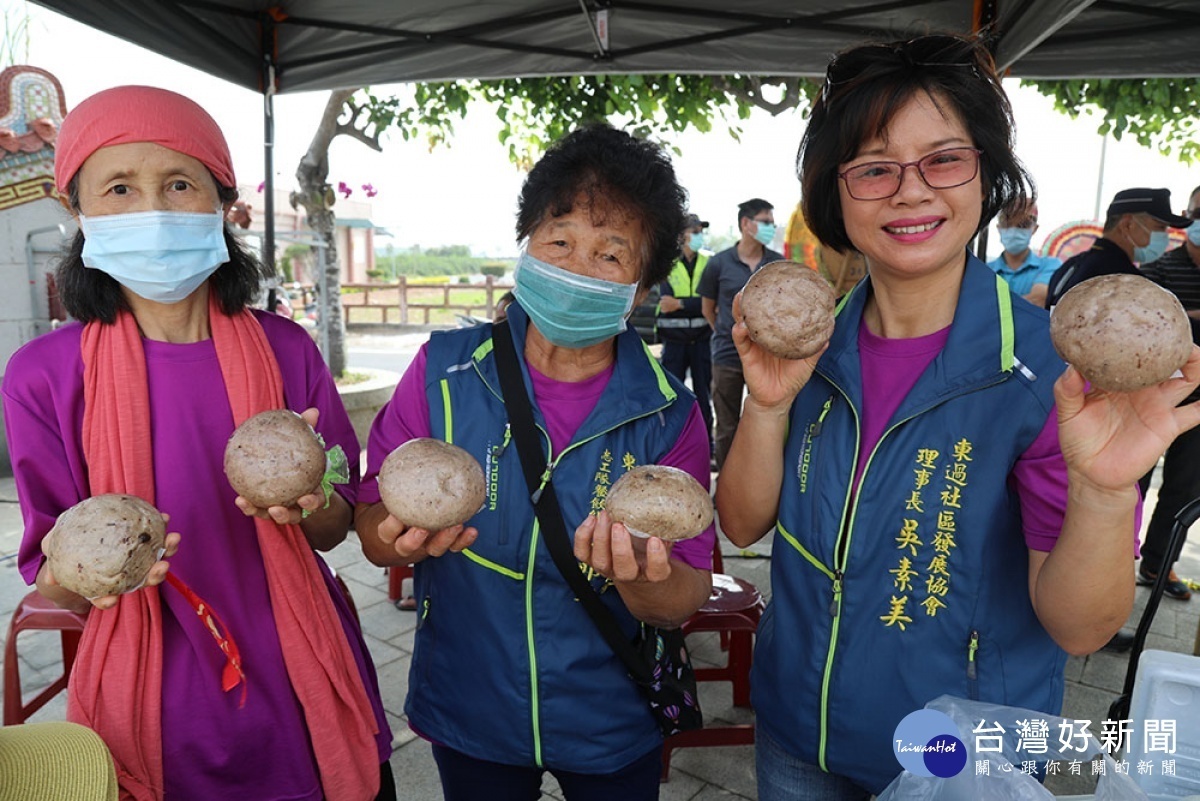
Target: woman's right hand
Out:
[771,381]
[48,585]
[414,544]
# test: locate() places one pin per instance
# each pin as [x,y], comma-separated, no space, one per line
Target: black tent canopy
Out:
[325,44]
[276,46]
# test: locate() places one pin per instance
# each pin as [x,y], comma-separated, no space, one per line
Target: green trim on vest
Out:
[664,386]
[1007,327]
[490,565]
[447,410]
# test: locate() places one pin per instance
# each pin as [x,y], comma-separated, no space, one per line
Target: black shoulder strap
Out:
[545,502]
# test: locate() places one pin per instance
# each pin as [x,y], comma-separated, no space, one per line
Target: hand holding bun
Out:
[431,484]
[788,309]
[1121,332]
[274,458]
[105,545]
[660,501]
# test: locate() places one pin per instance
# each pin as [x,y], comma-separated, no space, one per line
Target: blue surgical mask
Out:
[695,242]
[162,256]
[1153,250]
[1193,233]
[1015,240]
[765,233]
[570,310]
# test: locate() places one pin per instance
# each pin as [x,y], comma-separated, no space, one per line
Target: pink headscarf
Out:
[140,114]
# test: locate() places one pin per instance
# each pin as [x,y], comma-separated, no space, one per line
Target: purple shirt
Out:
[565,405]
[211,748]
[890,369]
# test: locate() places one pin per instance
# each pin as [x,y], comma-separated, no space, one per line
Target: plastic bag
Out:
[1003,779]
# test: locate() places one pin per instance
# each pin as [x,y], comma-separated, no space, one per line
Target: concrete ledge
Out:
[364,399]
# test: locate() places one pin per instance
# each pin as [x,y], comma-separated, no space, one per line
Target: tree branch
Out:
[354,129]
[753,95]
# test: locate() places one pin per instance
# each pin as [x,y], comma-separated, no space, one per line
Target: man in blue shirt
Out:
[1026,273]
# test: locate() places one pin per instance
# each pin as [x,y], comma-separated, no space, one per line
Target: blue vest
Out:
[918,585]
[508,667]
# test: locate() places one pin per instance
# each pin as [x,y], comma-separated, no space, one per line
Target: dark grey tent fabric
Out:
[325,44]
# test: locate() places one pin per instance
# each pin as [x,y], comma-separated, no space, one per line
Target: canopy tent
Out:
[276,46]
[325,44]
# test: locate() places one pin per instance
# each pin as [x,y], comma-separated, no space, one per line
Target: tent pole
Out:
[268,89]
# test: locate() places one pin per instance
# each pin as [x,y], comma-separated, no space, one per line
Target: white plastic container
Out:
[1166,689]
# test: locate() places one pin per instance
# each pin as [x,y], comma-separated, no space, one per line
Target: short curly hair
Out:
[89,294]
[606,165]
[867,85]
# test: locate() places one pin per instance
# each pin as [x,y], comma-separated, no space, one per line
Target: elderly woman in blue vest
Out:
[954,511]
[510,678]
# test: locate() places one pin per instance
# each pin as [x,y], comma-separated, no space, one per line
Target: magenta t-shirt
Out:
[211,748]
[890,369]
[565,405]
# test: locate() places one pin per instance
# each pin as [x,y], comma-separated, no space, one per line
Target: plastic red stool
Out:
[396,576]
[733,609]
[35,612]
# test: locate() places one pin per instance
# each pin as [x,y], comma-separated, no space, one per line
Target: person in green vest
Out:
[681,326]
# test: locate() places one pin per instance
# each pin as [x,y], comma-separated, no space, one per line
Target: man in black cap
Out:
[681,325]
[1179,273]
[1135,230]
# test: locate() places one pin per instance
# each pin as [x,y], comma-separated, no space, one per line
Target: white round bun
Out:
[105,545]
[788,309]
[431,484]
[1121,332]
[660,501]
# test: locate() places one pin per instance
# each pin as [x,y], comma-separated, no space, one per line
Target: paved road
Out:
[383,351]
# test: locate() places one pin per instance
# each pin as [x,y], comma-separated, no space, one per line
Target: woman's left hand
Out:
[616,554]
[288,515]
[1114,438]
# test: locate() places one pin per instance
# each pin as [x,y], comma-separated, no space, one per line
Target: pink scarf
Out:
[122,699]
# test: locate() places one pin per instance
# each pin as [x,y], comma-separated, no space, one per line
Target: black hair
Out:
[1019,207]
[867,85]
[89,294]
[605,165]
[749,208]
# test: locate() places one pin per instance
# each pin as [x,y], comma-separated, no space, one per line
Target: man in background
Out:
[682,328]
[727,272]
[1025,272]
[1179,273]
[1135,230]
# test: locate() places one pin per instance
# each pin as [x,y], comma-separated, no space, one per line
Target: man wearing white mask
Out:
[727,272]
[1135,230]
[1025,272]
[1179,273]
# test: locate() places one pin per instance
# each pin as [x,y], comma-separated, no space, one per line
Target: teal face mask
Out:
[765,233]
[1152,250]
[1015,240]
[1193,233]
[569,310]
[695,242]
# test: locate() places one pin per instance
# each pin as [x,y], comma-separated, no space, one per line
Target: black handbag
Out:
[657,659]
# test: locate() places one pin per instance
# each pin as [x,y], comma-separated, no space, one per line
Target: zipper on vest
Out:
[835,605]
[972,666]
[498,450]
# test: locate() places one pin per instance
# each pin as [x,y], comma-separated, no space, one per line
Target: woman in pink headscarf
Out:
[243,674]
